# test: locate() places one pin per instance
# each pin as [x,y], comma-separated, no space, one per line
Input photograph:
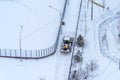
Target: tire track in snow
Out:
[103,41]
[63,60]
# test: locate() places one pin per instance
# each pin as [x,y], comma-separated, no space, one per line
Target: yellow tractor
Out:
[66,44]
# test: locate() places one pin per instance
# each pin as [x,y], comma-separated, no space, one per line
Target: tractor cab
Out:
[66,44]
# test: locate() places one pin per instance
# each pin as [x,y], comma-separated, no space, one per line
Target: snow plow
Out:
[66,44]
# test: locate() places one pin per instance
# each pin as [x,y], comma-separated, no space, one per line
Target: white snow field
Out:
[108,68]
[40,25]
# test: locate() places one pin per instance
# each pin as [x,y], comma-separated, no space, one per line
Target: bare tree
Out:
[92,66]
[89,70]
[75,75]
[84,75]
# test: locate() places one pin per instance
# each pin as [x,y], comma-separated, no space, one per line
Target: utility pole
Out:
[20,43]
[88,4]
[96,3]
[92,10]
[119,64]
[85,23]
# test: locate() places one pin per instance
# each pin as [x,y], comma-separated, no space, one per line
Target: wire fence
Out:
[34,54]
[27,54]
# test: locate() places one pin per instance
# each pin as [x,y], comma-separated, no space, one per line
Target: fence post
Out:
[48,50]
[31,53]
[44,52]
[39,53]
[55,46]
[15,54]
[5,52]
[52,48]
[36,53]
[25,53]
[10,52]
[0,52]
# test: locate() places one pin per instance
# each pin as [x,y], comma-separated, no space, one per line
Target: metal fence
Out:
[27,54]
[34,54]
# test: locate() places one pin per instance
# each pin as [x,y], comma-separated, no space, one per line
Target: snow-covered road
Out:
[71,17]
[64,60]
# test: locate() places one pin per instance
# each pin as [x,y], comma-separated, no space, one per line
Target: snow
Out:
[103,61]
[27,69]
[107,66]
[36,22]
[40,25]
[69,28]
